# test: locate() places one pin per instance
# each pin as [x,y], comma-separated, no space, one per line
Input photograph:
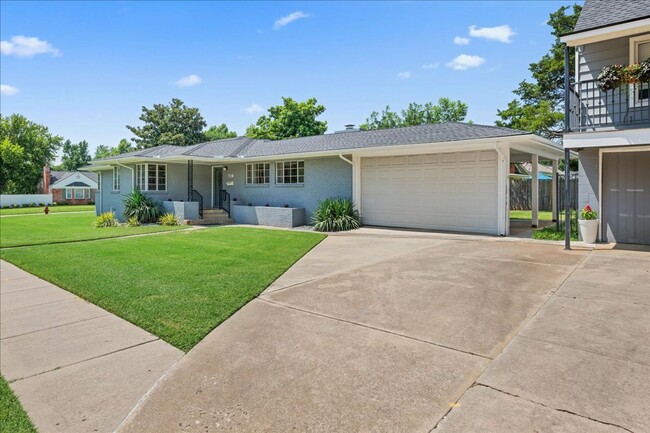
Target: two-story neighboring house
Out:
[610,127]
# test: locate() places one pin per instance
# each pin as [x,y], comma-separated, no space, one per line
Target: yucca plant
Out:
[106,219]
[169,219]
[132,222]
[336,215]
[143,208]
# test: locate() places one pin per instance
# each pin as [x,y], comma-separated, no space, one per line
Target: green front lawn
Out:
[178,286]
[53,209]
[528,214]
[13,418]
[64,227]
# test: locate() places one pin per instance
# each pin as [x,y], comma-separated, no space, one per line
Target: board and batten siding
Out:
[324,178]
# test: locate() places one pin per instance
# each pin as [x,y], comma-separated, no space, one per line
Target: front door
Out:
[217,179]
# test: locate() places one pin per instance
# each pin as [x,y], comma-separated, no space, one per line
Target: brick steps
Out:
[212,217]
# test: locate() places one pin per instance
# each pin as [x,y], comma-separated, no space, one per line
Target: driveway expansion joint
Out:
[397,334]
[553,408]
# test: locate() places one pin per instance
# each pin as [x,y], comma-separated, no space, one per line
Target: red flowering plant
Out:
[588,213]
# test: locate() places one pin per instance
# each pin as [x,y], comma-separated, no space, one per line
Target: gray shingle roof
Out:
[243,147]
[56,176]
[603,13]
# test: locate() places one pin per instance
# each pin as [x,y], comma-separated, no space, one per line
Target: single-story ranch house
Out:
[451,176]
[68,187]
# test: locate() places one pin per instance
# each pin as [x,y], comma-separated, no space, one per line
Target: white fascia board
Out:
[605,33]
[619,137]
[536,145]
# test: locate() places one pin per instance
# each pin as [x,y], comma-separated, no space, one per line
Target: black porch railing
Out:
[224,199]
[198,197]
[591,108]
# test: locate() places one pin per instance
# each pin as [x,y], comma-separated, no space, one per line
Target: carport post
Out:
[535,190]
[554,191]
[567,198]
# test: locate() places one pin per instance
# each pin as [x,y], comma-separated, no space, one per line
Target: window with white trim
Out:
[640,51]
[99,181]
[151,177]
[116,178]
[140,177]
[258,173]
[290,172]
[79,193]
[68,193]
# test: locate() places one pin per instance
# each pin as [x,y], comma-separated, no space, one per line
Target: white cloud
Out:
[499,33]
[465,61]
[404,75]
[459,40]
[24,46]
[253,109]
[7,90]
[189,81]
[434,65]
[289,19]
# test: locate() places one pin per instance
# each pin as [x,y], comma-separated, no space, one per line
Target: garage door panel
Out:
[626,197]
[451,191]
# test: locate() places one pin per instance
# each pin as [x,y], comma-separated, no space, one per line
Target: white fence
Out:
[7,200]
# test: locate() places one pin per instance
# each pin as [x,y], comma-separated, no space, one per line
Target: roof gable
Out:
[75,179]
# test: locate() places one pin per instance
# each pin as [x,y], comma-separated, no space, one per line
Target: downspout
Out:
[346,160]
[506,210]
[132,173]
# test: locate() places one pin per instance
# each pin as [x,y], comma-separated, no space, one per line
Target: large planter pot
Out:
[588,230]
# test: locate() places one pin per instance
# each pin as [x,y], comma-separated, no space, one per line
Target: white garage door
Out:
[444,191]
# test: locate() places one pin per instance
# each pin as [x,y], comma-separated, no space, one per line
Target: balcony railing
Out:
[590,108]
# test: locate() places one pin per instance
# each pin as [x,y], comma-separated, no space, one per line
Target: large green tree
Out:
[26,147]
[75,155]
[289,120]
[104,151]
[219,133]
[539,105]
[175,124]
[446,110]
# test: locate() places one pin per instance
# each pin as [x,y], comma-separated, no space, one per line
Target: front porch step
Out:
[211,220]
[211,212]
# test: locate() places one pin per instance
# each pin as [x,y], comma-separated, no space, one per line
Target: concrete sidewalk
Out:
[74,366]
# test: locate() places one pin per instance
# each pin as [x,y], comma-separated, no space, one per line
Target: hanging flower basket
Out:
[614,76]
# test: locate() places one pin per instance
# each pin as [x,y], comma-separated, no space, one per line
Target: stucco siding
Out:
[324,177]
[588,179]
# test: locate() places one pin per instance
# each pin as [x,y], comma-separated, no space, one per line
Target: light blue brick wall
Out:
[324,177]
[109,200]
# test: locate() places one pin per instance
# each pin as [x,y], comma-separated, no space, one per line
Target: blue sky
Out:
[86,69]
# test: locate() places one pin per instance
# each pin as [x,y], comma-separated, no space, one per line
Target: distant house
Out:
[448,176]
[609,124]
[69,187]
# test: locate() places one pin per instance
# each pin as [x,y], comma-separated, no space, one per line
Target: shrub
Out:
[169,219]
[107,219]
[132,222]
[335,215]
[145,209]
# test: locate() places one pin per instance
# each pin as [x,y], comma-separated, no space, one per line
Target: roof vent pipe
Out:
[349,127]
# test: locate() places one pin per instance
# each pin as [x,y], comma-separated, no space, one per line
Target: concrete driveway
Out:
[398,331]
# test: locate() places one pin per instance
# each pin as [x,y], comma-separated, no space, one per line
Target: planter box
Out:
[269,216]
[184,210]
